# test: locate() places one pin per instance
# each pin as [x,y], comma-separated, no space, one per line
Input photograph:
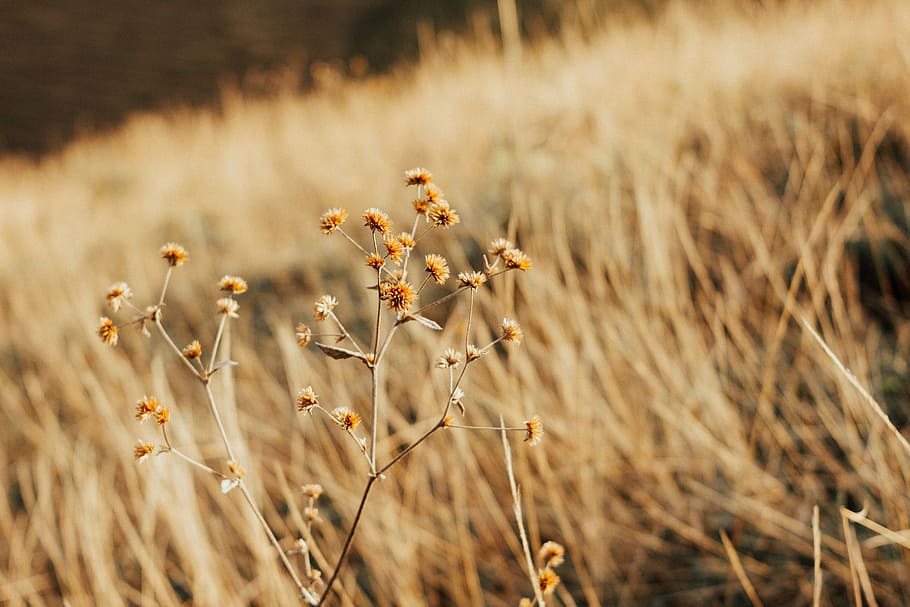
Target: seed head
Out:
[142,451]
[499,246]
[441,215]
[551,554]
[394,249]
[510,330]
[303,334]
[229,306]
[107,331]
[146,407]
[473,352]
[192,350]
[450,358]
[418,176]
[473,279]
[547,580]
[311,515]
[515,258]
[399,295]
[533,430]
[312,491]
[346,418]
[332,219]
[117,295]
[377,221]
[433,194]
[233,284]
[174,254]
[375,261]
[323,306]
[236,469]
[406,240]
[307,399]
[162,416]
[421,205]
[437,267]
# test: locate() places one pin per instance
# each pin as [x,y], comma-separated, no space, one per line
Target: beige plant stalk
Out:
[397,303]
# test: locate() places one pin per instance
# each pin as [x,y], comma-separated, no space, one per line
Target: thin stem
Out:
[516,501]
[497,428]
[348,540]
[217,344]
[268,531]
[374,383]
[344,333]
[167,280]
[174,347]
[352,241]
[214,409]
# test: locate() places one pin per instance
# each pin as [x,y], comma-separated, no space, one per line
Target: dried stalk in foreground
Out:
[397,303]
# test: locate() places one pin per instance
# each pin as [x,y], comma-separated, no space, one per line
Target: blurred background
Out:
[697,183]
[71,68]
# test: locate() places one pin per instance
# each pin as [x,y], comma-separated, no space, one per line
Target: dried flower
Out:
[406,240]
[323,306]
[510,330]
[533,430]
[473,279]
[421,205]
[192,350]
[449,358]
[162,416]
[303,334]
[229,306]
[311,515]
[551,554]
[146,407]
[174,254]
[332,219]
[233,284]
[473,352]
[515,258]
[433,194]
[437,267]
[312,491]
[547,580]
[307,399]
[441,215]
[399,295]
[142,450]
[394,249]
[117,295]
[236,469]
[418,176]
[499,246]
[107,331]
[375,261]
[346,418]
[377,221]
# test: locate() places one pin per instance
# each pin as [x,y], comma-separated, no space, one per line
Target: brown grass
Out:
[683,187]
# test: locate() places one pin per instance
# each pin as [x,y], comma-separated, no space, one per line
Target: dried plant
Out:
[398,282]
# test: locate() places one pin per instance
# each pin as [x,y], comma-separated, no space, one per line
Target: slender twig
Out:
[217,344]
[349,539]
[173,346]
[516,501]
[214,409]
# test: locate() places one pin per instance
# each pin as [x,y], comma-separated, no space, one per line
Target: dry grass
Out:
[683,188]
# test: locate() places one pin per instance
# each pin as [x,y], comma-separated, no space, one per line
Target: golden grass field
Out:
[688,190]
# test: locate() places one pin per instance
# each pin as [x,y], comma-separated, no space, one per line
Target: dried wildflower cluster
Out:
[400,278]
[401,291]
